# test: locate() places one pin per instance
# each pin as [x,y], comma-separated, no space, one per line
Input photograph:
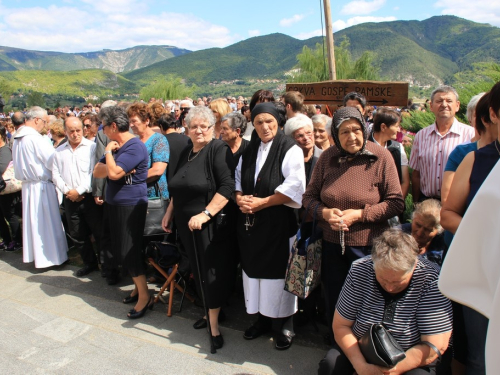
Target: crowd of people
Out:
[239,176]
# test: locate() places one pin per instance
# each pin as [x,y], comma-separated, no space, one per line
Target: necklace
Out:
[196,153]
[496,141]
[247,221]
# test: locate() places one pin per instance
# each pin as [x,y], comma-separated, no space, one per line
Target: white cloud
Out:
[309,34]
[287,22]
[84,29]
[253,33]
[362,7]
[484,11]
[340,24]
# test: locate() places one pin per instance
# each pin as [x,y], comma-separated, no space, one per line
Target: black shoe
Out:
[202,323]
[113,278]
[130,299]
[282,341]
[86,269]
[218,341]
[254,331]
[139,314]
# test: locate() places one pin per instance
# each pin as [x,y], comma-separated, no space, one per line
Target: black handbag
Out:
[380,348]
[165,254]
[157,206]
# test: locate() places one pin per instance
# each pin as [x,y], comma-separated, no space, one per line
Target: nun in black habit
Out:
[270,181]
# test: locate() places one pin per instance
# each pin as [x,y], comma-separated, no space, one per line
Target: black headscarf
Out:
[343,114]
[266,108]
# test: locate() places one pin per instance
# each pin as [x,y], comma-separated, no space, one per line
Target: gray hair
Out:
[236,120]
[109,103]
[394,250]
[35,112]
[430,211]
[297,122]
[444,89]
[324,120]
[115,114]
[204,113]
[471,107]
[187,103]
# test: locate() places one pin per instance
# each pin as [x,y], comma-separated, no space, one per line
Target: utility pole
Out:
[329,40]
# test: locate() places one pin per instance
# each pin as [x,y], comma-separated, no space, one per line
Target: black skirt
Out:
[125,226]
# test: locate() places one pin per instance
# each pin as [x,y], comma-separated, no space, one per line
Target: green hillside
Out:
[74,83]
[425,53]
[260,57]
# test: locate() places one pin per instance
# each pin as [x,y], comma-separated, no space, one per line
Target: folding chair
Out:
[163,256]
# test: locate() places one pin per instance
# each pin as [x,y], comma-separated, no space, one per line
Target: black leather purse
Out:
[380,348]
[157,207]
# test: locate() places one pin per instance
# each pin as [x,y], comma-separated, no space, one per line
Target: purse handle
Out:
[314,213]
[433,347]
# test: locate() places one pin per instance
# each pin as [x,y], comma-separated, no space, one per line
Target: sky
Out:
[93,25]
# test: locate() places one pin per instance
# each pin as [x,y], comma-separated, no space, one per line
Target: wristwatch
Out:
[206,212]
[107,152]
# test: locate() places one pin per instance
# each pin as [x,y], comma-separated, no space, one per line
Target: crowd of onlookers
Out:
[238,176]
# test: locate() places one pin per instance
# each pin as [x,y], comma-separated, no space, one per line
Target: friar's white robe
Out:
[471,270]
[44,240]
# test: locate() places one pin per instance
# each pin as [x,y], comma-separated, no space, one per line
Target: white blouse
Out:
[292,168]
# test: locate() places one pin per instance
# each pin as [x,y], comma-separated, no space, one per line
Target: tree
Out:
[166,88]
[313,67]
[35,98]
[6,90]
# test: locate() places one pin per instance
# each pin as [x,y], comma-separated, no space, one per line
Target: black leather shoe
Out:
[218,341]
[282,341]
[253,332]
[202,323]
[86,269]
[130,299]
[139,314]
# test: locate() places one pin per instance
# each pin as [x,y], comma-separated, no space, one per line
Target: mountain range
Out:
[424,53]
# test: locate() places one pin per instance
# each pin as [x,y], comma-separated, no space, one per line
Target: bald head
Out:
[18,119]
[73,127]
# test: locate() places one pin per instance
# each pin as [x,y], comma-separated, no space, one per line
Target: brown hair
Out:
[140,110]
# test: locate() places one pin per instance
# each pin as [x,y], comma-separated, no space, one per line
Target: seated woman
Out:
[394,276]
[426,229]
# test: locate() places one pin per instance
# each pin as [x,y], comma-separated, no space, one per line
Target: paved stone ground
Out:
[55,323]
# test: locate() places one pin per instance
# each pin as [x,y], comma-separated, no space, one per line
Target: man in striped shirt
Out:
[433,145]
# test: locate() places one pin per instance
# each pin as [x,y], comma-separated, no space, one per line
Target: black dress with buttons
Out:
[191,188]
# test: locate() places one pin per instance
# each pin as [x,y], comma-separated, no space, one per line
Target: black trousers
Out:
[10,212]
[334,270]
[336,363]
[84,218]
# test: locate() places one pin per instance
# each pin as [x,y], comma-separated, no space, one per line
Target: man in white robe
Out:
[44,240]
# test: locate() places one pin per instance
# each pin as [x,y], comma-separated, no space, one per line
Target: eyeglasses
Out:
[44,121]
[185,109]
[87,126]
[203,129]
[304,135]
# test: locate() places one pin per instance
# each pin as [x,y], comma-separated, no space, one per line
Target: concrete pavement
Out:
[55,323]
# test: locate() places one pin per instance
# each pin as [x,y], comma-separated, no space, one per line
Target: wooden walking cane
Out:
[201,280]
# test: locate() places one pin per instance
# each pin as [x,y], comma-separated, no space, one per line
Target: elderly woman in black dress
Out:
[199,190]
